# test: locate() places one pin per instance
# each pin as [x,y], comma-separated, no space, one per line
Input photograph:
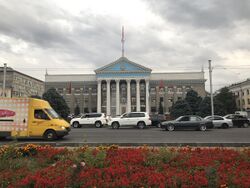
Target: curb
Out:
[69,144]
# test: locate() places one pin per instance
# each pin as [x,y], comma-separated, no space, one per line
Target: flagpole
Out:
[122,41]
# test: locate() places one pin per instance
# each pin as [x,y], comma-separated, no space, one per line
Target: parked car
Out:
[187,122]
[97,119]
[157,119]
[138,119]
[238,120]
[220,122]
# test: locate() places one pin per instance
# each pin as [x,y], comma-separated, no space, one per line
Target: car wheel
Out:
[50,135]
[158,125]
[141,125]
[76,124]
[115,125]
[225,126]
[203,127]
[170,127]
[245,125]
[98,124]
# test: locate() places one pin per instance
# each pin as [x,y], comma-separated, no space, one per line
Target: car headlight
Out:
[63,128]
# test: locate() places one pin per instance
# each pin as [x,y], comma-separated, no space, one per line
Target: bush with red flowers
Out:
[45,166]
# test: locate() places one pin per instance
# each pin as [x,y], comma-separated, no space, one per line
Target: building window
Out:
[248,92]
[179,89]
[152,90]
[133,100]
[170,89]
[77,91]
[153,109]
[248,100]
[243,101]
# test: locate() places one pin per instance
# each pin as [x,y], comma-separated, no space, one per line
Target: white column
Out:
[108,98]
[138,102]
[147,96]
[128,96]
[117,97]
[99,91]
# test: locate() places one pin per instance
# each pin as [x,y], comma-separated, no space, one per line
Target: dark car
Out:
[188,122]
[238,120]
[157,119]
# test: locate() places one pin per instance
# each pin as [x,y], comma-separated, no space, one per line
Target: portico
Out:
[128,82]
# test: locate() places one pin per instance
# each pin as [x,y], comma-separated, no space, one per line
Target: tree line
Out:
[193,104]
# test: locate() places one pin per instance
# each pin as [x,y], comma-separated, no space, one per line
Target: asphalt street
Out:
[150,136]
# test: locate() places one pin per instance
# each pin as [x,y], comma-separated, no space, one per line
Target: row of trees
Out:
[224,103]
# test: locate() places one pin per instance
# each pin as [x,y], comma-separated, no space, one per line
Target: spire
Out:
[46,72]
[202,68]
[123,40]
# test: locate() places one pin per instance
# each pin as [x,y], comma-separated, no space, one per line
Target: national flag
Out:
[69,88]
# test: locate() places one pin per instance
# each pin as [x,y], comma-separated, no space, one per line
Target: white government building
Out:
[125,86]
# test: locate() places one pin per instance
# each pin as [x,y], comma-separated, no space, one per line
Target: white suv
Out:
[97,119]
[139,119]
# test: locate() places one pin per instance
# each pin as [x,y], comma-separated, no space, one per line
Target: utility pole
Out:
[211,88]
[4,79]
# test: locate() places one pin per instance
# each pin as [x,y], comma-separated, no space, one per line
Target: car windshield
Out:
[52,113]
[179,118]
[79,115]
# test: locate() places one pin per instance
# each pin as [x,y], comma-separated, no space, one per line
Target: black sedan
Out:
[187,122]
[238,120]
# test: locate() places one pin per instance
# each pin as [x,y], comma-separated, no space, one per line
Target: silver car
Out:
[220,122]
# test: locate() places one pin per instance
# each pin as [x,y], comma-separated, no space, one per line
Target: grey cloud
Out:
[201,30]
[30,23]
[209,14]
[5,46]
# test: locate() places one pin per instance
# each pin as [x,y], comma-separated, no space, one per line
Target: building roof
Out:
[246,82]
[122,65]
[9,69]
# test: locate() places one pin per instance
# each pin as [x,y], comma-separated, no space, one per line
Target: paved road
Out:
[150,136]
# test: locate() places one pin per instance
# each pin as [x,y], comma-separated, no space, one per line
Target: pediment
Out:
[123,65]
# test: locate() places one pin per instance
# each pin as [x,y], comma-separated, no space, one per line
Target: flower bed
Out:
[45,166]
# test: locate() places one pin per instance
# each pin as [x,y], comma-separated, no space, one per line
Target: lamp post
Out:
[4,79]
[211,88]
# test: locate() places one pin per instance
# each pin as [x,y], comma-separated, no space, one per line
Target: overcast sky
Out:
[79,36]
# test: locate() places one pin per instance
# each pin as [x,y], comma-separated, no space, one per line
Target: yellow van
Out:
[29,117]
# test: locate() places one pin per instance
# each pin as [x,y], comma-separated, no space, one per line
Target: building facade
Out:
[19,84]
[242,93]
[124,86]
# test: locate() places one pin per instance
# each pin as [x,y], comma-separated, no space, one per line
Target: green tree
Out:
[218,108]
[193,100]
[226,101]
[57,102]
[77,110]
[205,107]
[180,108]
